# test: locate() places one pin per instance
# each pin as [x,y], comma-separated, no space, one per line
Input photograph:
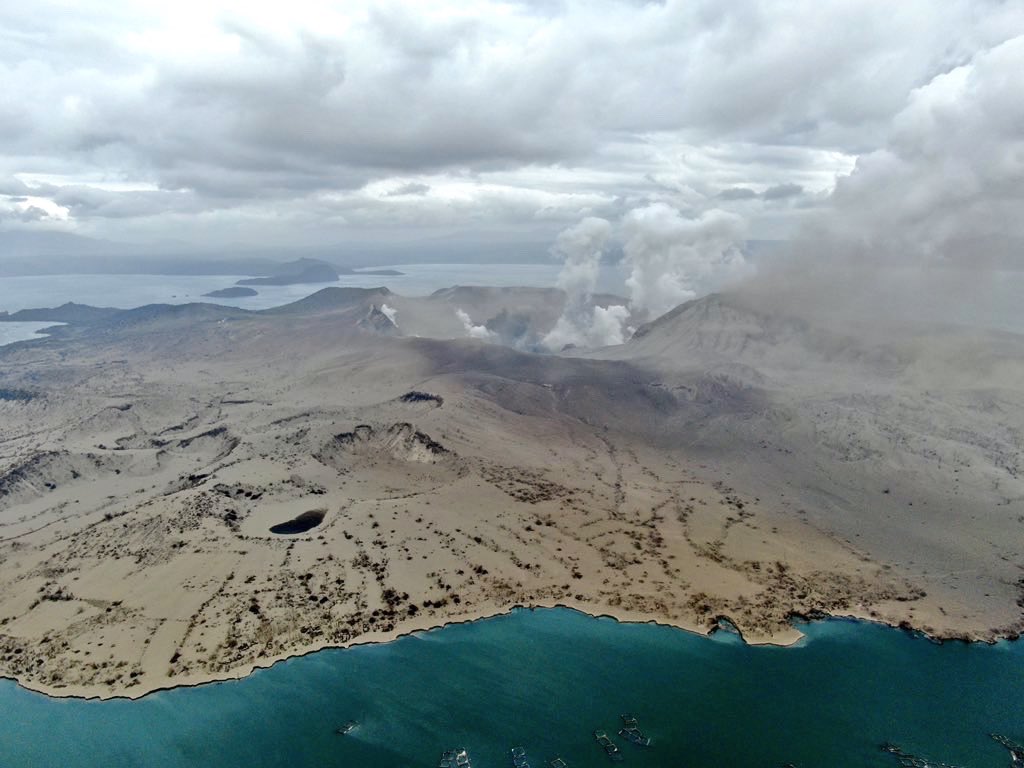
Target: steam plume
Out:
[671,258]
[473,331]
[582,324]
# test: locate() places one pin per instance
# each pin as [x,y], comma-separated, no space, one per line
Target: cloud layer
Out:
[316,121]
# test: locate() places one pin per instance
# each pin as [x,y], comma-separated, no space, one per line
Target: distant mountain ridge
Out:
[65,313]
[297,272]
[83,316]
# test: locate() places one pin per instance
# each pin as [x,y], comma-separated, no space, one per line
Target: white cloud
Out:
[921,227]
[951,172]
[200,120]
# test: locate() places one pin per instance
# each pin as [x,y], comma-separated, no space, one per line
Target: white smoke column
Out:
[473,331]
[672,258]
[580,248]
[582,324]
[390,313]
[608,325]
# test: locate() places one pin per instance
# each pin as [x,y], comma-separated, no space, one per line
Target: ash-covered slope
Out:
[729,463]
[906,443]
[331,299]
[726,330]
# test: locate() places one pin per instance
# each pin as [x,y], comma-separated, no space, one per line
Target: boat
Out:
[1016,750]
[557,762]
[608,746]
[631,732]
[346,727]
[519,757]
[908,760]
[635,736]
[455,758]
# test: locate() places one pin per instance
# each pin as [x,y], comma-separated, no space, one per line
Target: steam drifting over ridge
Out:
[582,324]
[472,331]
[925,227]
[669,257]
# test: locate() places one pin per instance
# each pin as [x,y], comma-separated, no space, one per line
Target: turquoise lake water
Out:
[546,679]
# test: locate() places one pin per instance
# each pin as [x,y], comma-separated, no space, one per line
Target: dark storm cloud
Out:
[12,186]
[737,193]
[89,201]
[24,215]
[782,191]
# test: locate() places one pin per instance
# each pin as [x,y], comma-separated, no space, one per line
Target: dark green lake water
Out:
[546,679]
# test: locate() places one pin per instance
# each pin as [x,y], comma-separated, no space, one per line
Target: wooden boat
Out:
[608,746]
[519,757]
[635,736]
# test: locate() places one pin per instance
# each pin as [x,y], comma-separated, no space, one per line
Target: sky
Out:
[208,123]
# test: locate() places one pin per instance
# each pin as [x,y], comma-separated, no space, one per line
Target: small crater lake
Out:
[307,521]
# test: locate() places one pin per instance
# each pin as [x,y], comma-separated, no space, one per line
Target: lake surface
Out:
[995,304]
[128,291]
[546,679]
[22,331]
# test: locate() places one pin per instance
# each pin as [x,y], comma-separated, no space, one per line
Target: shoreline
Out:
[786,639]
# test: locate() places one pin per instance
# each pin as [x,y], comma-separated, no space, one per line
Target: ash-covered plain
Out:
[188,492]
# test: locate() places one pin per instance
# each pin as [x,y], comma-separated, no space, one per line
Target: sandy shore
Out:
[783,638]
[409,628]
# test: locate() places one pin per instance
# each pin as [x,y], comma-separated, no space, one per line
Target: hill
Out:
[297,272]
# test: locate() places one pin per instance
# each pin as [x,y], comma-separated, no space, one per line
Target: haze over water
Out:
[546,679]
[127,291]
[1000,310]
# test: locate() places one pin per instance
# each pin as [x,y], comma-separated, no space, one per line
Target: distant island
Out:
[307,270]
[297,272]
[235,292]
[69,312]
